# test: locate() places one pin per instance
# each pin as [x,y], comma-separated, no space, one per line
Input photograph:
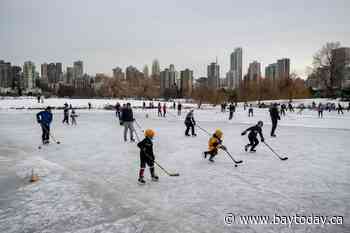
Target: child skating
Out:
[215,143]
[147,156]
[252,136]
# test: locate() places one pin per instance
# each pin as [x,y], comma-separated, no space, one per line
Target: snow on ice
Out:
[88,183]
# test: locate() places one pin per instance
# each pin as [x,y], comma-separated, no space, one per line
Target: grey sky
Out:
[187,33]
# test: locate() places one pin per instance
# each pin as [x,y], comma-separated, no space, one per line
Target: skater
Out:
[164,109]
[232,109]
[252,136]
[215,143]
[66,114]
[190,123]
[302,107]
[320,110]
[283,109]
[128,122]
[179,107]
[144,105]
[245,106]
[340,109]
[147,156]
[348,106]
[90,106]
[174,105]
[250,111]
[159,109]
[38,98]
[44,118]
[290,106]
[274,118]
[117,110]
[73,117]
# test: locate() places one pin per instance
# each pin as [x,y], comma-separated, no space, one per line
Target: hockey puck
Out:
[236,165]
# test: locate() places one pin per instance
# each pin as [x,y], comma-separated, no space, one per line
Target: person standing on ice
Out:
[283,109]
[44,118]
[179,107]
[190,123]
[128,122]
[340,109]
[164,109]
[66,114]
[117,110]
[320,110]
[232,109]
[275,117]
[215,143]
[252,136]
[290,106]
[250,111]
[73,117]
[159,109]
[147,156]
[90,106]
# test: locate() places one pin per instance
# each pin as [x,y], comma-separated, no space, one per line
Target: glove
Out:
[243,133]
[223,147]
[39,121]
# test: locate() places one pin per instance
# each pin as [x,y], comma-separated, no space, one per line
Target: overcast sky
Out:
[186,33]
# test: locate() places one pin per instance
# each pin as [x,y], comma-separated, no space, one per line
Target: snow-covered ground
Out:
[88,183]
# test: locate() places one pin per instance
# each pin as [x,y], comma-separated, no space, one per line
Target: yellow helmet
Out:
[149,133]
[218,133]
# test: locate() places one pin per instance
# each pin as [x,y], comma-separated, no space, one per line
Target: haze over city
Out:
[189,34]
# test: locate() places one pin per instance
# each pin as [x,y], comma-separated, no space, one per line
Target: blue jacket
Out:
[44,117]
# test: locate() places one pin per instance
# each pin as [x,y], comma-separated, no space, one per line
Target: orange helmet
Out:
[149,133]
[218,133]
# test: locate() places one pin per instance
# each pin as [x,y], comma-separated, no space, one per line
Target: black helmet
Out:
[48,108]
[260,123]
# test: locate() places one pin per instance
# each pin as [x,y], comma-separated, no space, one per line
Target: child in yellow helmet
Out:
[215,143]
[147,156]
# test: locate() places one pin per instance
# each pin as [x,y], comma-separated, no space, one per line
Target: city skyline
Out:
[123,33]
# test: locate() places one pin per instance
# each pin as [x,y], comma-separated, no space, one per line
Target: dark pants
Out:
[231,115]
[149,160]
[159,113]
[253,142]
[188,127]
[250,111]
[340,111]
[274,126]
[45,132]
[65,120]
[320,114]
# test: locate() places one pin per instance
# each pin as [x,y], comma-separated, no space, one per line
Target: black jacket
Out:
[189,119]
[274,113]
[127,115]
[146,148]
[254,131]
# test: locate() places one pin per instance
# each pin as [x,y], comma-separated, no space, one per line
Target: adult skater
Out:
[128,122]
[147,156]
[44,118]
[274,118]
[232,109]
[348,106]
[190,123]
[290,106]
[73,117]
[144,105]
[164,109]
[90,105]
[252,136]
[245,105]
[179,107]
[320,110]
[214,144]
[340,109]
[66,114]
[250,111]
[117,110]
[159,109]
[283,109]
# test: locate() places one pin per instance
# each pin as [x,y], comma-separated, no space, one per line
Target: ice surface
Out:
[88,183]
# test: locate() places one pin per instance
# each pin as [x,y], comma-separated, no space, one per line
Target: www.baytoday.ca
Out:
[297,219]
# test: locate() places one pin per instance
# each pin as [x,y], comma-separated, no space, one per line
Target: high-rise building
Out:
[133,75]
[186,82]
[271,72]
[5,74]
[78,69]
[155,68]
[213,72]
[167,79]
[234,76]
[51,73]
[118,73]
[145,71]
[69,75]
[29,75]
[44,72]
[59,72]
[283,68]
[16,72]
[254,71]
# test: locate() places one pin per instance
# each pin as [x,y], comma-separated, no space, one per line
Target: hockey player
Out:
[250,110]
[179,106]
[66,114]
[164,109]
[340,109]
[190,123]
[275,117]
[147,156]
[128,122]
[215,143]
[159,109]
[232,109]
[44,118]
[73,117]
[320,110]
[252,136]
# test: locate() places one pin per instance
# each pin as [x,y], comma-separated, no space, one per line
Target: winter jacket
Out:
[44,117]
[146,148]
[254,131]
[127,115]
[274,113]
[189,119]
[214,143]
